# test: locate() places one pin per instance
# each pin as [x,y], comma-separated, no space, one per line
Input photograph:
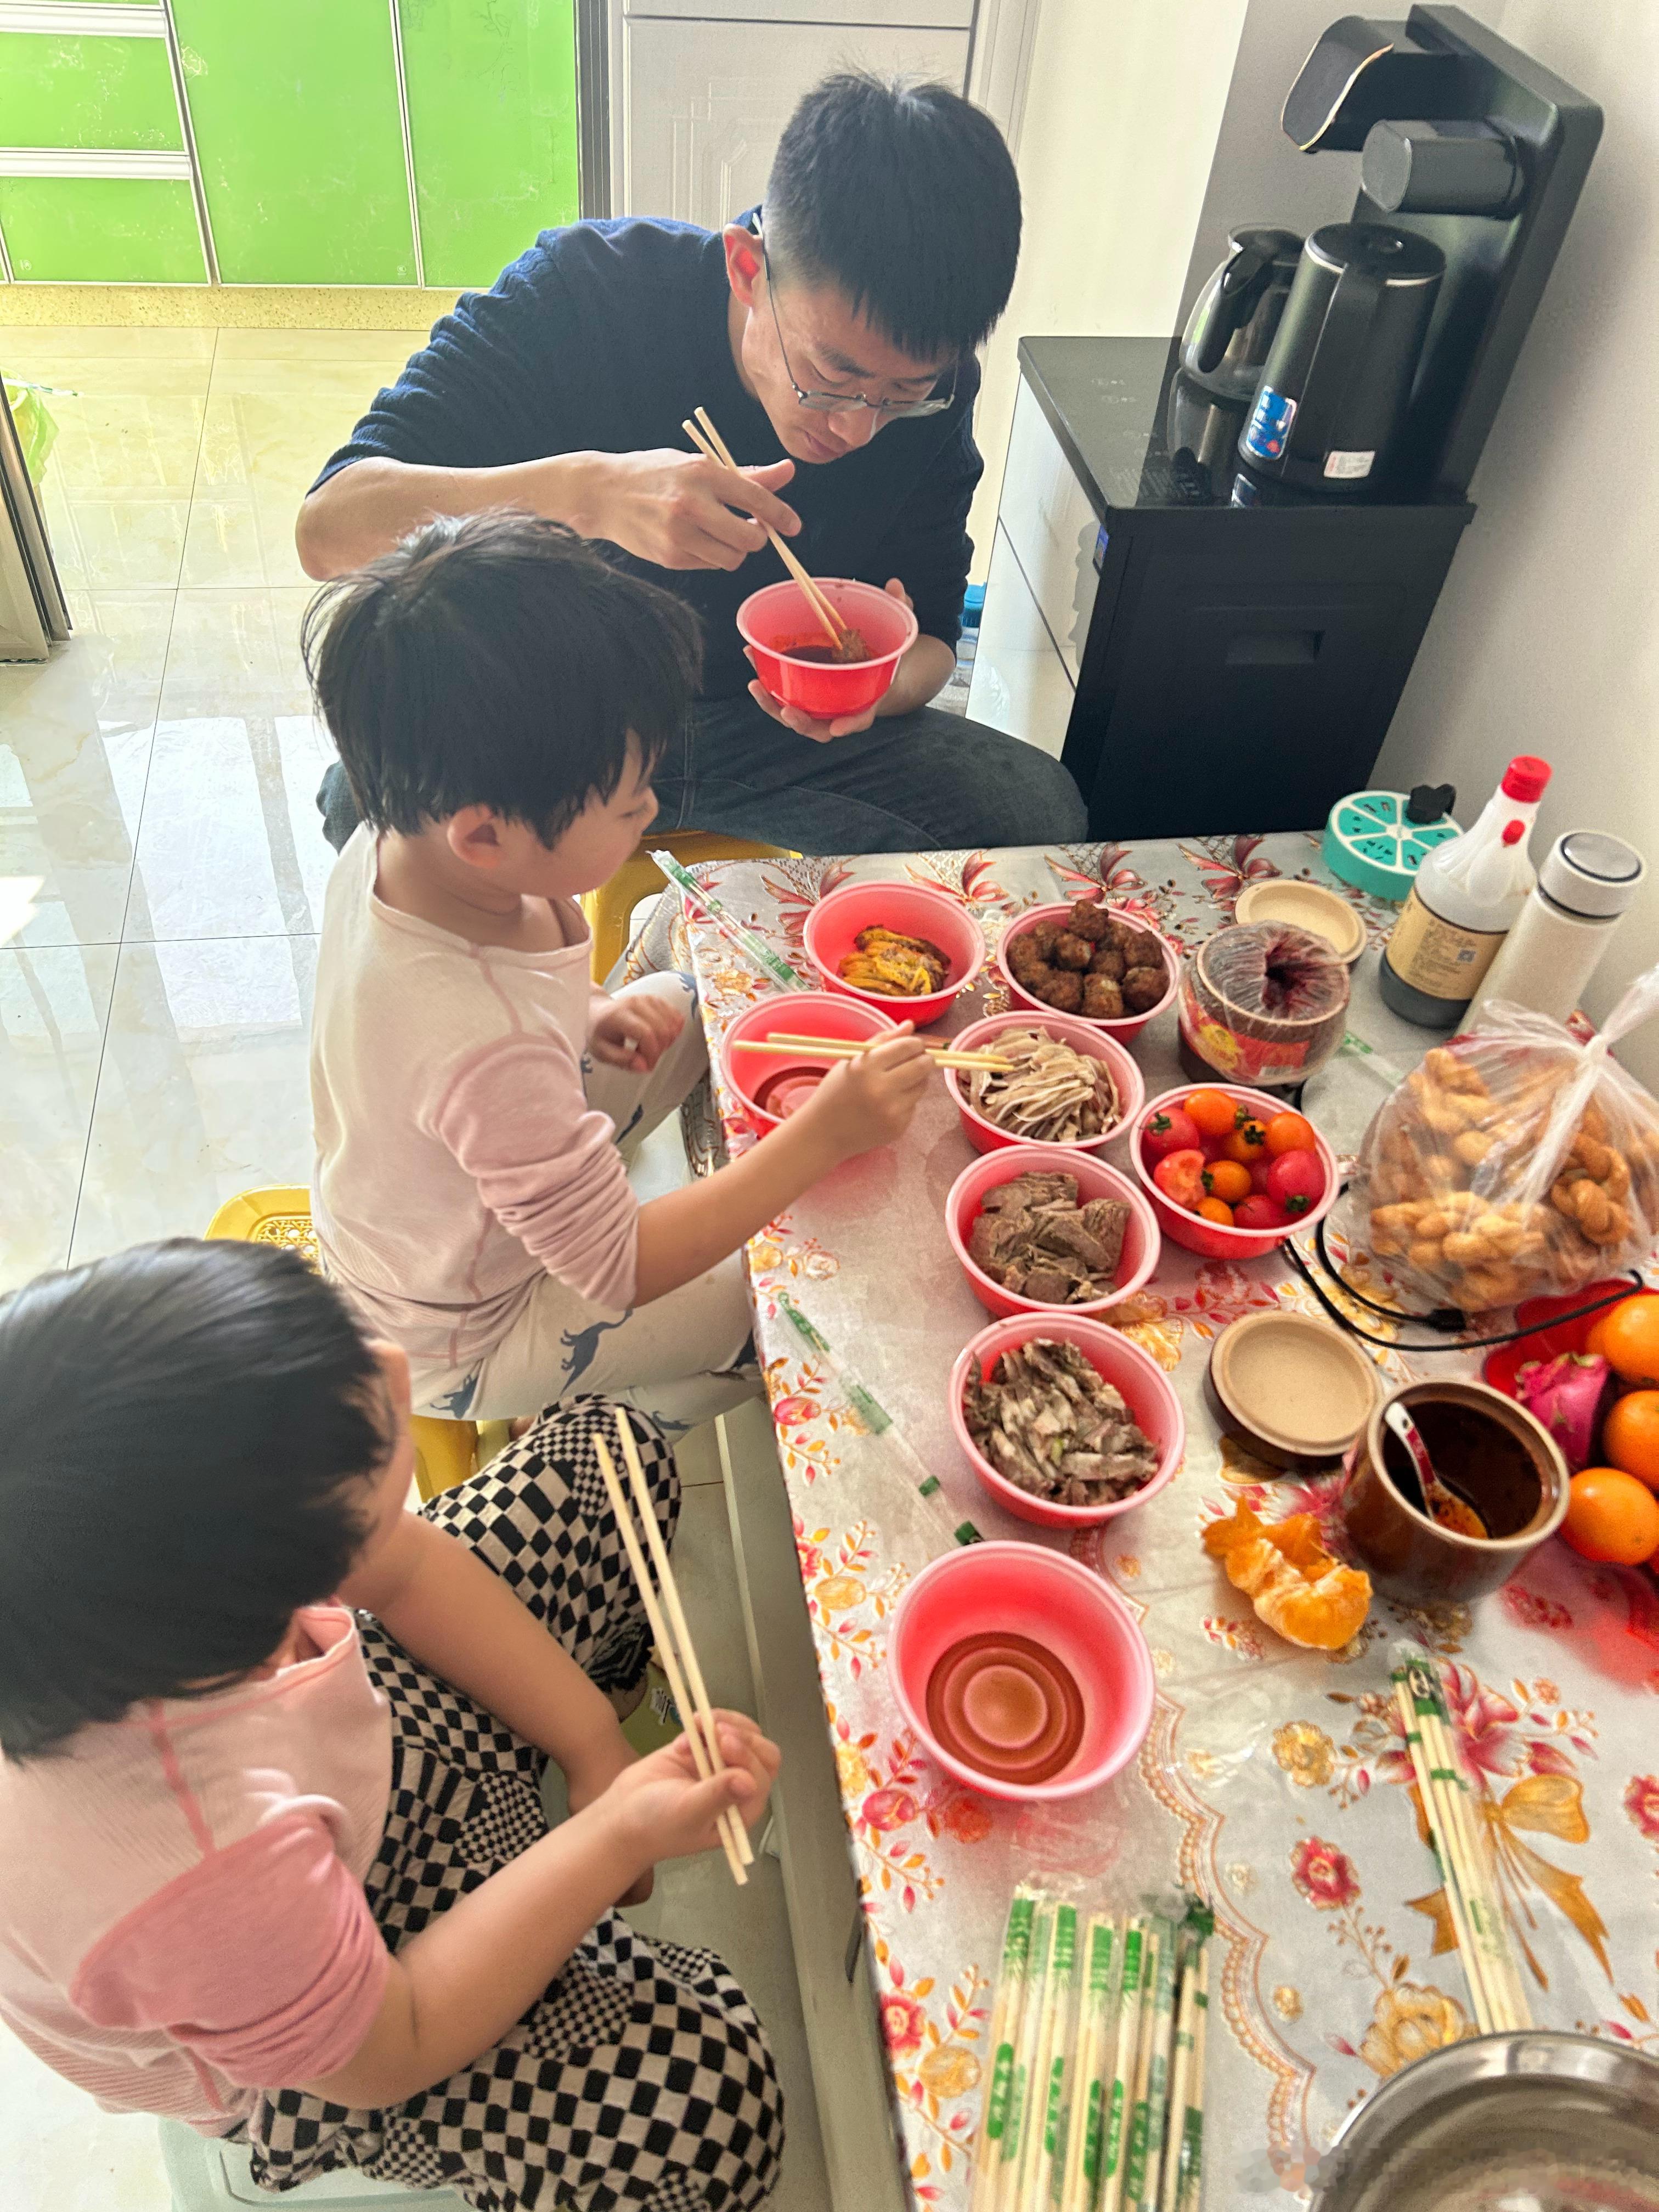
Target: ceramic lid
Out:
[1304,906]
[1297,1382]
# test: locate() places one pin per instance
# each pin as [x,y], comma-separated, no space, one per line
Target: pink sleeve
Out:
[546,1163]
[264,1959]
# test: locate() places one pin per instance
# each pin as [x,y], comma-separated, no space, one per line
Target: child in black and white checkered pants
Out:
[286,1875]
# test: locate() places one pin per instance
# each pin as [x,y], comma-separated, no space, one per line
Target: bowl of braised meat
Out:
[1036,1227]
[1094,962]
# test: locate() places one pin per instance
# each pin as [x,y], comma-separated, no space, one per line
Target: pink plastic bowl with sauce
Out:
[1141,1242]
[772,621]
[806,1013]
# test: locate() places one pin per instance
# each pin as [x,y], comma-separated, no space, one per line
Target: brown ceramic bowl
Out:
[1508,1464]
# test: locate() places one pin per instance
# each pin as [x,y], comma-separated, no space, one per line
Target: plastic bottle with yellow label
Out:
[1467,894]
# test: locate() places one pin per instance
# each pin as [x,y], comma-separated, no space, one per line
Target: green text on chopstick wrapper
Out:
[1002,2082]
[1100,1960]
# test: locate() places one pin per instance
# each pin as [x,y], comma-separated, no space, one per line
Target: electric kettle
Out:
[1334,393]
[1235,316]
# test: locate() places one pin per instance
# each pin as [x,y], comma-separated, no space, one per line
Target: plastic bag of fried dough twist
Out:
[1515,1163]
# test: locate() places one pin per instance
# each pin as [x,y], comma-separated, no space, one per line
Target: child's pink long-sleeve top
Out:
[183,1921]
[458,1159]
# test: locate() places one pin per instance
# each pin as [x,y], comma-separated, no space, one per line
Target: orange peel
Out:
[1296,1586]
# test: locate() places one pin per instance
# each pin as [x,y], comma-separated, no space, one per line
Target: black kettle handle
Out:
[1338,350]
[1243,279]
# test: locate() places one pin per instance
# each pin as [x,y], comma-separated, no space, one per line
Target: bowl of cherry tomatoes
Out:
[1231,1173]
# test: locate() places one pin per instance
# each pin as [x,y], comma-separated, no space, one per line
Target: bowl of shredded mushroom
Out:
[1069,1085]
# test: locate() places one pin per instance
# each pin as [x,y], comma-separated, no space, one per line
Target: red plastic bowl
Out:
[1126,1025]
[1025,1590]
[1145,1389]
[913,911]
[1213,1239]
[780,616]
[1547,1338]
[811,1014]
[1066,1029]
[1141,1242]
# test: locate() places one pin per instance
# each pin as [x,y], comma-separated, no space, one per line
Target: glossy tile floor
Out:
[159,773]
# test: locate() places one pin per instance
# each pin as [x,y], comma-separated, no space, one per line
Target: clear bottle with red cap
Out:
[1467,893]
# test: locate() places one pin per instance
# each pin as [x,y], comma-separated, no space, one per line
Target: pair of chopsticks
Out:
[713,447]
[788,1041]
[679,1659]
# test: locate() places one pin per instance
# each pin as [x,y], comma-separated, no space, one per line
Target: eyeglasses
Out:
[844,402]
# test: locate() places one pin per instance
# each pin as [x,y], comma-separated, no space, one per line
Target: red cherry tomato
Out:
[1248,1142]
[1259,1171]
[1169,1131]
[1258,1211]
[1290,1133]
[1180,1177]
[1297,1181]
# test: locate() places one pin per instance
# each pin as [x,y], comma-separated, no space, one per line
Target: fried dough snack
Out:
[899,967]
[1296,1586]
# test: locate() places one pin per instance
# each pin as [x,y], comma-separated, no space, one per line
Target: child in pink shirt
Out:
[270,1749]
[500,697]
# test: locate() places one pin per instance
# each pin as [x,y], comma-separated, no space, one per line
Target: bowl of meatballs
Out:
[1090,961]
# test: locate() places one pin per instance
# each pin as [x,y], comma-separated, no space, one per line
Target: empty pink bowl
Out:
[911,909]
[1125,1026]
[808,1013]
[1023,1590]
[1143,1387]
[1214,1239]
[1066,1029]
[1141,1242]
[780,618]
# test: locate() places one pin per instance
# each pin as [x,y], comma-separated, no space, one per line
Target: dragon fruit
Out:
[1568,1395]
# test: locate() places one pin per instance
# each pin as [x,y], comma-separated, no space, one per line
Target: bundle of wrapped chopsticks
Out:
[1458,1833]
[1094,2098]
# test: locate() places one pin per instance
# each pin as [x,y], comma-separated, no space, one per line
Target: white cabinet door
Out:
[1052,526]
[1020,683]
[701,104]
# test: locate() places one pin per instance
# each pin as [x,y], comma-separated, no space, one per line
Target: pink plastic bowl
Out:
[780,616]
[1066,1029]
[1023,1590]
[1145,1388]
[810,1013]
[1126,1025]
[1213,1238]
[913,911]
[1141,1242]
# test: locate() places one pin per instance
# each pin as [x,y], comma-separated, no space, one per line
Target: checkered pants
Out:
[640,2076]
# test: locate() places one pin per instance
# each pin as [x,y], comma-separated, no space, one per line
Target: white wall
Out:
[1547,636]
[1122,106]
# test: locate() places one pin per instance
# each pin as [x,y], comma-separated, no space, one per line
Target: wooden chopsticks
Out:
[679,1659]
[786,1041]
[710,444]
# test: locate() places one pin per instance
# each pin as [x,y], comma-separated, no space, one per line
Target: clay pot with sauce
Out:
[1482,1444]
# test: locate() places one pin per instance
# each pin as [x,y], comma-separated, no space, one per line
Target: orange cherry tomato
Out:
[1627,1337]
[1226,1179]
[1630,1436]
[1215,1113]
[1248,1144]
[1291,1133]
[1612,1516]
[1215,1209]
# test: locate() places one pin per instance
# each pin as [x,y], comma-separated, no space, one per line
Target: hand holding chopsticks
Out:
[679,1658]
[710,444]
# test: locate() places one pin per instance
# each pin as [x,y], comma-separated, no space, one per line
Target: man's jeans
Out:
[924,782]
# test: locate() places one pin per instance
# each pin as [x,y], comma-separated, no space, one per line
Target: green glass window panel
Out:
[294,107]
[87,91]
[100,230]
[492,120]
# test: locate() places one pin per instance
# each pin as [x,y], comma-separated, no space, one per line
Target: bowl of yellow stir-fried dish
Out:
[902,947]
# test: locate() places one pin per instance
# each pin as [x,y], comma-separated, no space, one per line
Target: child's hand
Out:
[634,1032]
[668,1812]
[869,1100]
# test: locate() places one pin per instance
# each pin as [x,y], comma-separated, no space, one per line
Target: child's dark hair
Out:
[904,198]
[185,1425]
[496,660]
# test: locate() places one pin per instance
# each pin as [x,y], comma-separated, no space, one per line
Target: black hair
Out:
[904,198]
[496,661]
[187,1426]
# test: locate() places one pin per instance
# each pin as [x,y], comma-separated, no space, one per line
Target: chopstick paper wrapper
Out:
[1005,2033]
[1120,2087]
[1089,2091]
[705,902]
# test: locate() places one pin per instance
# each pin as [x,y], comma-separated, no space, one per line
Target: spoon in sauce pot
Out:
[1441,1503]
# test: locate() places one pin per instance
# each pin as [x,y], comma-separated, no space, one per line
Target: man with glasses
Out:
[830,334]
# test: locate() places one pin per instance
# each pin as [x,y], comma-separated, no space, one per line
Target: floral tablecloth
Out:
[1273,1781]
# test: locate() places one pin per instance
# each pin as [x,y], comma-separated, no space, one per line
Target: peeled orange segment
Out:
[1296,1586]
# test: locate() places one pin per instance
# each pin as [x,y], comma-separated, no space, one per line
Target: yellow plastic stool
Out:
[609,908]
[446,1452]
